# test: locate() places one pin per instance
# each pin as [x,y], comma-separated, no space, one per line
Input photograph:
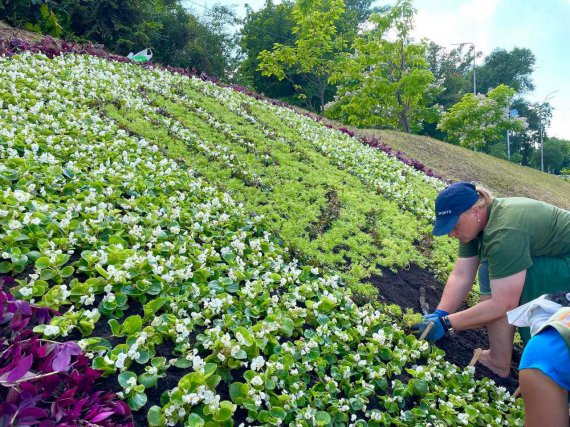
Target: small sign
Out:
[514,113]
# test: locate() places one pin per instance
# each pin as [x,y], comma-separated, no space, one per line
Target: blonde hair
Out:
[485,196]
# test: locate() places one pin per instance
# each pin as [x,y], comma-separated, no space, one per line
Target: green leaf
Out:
[246,334]
[229,257]
[132,324]
[194,420]
[238,391]
[47,274]
[99,363]
[420,388]
[124,377]
[183,363]
[101,271]
[137,401]
[148,380]
[225,412]
[5,267]
[144,355]
[115,328]
[209,369]
[153,306]
[68,173]
[191,381]
[67,271]
[278,412]
[287,326]
[322,418]
[155,417]
[42,262]
[201,276]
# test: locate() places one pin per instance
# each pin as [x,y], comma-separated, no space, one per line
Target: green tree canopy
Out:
[556,155]
[315,53]
[386,81]
[477,121]
[513,69]
[260,31]
[177,37]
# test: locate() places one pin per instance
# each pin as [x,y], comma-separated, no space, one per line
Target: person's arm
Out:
[459,283]
[506,293]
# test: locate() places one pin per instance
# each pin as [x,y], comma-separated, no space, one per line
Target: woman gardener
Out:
[521,248]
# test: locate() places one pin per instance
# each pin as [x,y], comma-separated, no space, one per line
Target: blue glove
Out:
[435,315]
[437,331]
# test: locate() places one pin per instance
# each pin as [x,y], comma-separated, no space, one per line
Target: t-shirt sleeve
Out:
[468,250]
[508,253]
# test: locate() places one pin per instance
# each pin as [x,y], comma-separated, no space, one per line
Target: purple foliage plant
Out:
[46,383]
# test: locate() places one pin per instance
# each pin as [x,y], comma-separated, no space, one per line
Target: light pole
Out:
[474,78]
[546,98]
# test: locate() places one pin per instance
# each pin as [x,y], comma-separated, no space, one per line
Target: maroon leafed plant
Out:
[45,383]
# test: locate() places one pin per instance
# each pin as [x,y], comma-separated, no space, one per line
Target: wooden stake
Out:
[426,330]
[476,355]
[517,393]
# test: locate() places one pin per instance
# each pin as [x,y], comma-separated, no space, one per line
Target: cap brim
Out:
[444,225]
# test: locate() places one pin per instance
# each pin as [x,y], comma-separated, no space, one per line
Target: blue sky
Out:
[540,25]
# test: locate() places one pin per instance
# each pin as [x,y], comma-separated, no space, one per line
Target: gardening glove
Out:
[437,332]
[437,313]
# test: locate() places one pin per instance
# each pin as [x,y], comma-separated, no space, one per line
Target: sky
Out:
[539,25]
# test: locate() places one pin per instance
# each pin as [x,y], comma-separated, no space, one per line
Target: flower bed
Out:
[165,277]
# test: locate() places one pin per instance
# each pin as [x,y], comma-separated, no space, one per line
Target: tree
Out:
[556,155]
[512,68]
[177,37]
[477,121]
[525,142]
[315,53]
[453,70]
[260,31]
[385,82]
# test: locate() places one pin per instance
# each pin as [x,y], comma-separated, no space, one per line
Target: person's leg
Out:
[545,402]
[501,337]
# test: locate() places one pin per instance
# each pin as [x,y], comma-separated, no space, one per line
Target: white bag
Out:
[534,313]
[143,56]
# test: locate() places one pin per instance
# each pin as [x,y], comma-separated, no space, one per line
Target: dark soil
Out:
[403,288]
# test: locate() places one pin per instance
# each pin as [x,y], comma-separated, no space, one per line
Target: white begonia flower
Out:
[257,363]
[256,381]
[51,330]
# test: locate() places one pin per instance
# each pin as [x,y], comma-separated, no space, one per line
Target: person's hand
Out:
[437,332]
[435,315]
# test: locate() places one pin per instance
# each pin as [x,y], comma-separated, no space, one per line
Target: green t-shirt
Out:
[518,229]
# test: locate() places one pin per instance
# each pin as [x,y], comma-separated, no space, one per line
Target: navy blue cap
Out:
[450,204]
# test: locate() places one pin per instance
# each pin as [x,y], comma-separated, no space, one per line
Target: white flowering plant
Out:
[170,277]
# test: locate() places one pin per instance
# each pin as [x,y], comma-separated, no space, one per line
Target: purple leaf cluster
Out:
[16,315]
[45,383]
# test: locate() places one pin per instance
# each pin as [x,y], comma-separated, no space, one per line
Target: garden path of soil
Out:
[403,288]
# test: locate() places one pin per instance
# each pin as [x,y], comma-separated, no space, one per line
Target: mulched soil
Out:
[403,288]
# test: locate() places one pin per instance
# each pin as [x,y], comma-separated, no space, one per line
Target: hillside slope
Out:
[117,181]
[460,164]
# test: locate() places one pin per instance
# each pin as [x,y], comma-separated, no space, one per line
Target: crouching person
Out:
[544,370]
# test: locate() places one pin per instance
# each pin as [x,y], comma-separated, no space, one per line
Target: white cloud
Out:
[446,22]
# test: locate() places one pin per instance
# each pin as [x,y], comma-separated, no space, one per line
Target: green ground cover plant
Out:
[161,274]
[282,165]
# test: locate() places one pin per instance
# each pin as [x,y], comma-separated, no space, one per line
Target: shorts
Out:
[554,363]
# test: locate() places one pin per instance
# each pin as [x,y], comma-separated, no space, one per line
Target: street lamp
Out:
[474,79]
[546,98]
